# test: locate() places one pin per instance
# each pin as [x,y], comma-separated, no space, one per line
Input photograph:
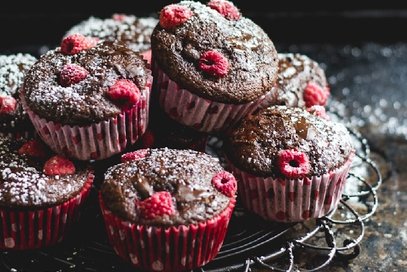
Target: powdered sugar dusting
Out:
[86,101]
[255,144]
[186,174]
[12,71]
[134,31]
[23,184]
[295,71]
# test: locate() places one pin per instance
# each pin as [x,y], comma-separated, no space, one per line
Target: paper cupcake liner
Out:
[200,113]
[96,141]
[18,134]
[291,200]
[177,248]
[32,229]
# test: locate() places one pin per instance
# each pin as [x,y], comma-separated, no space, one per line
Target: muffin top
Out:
[82,82]
[301,82]
[214,52]
[184,187]
[135,32]
[12,72]
[31,177]
[278,139]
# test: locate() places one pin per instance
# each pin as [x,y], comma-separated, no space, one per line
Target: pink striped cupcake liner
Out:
[200,113]
[291,200]
[96,141]
[178,248]
[22,229]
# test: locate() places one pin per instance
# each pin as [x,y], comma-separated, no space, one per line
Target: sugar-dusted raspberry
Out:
[33,148]
[319,111]
[293,164]
[148,139]
[174,15]
[119,17]
[8,104]
[134,156]
[214,63]
[314,94]
[72,74]
[124,93]
[58,165]
[75,43]
[225,183]
[157,205]
[226,8]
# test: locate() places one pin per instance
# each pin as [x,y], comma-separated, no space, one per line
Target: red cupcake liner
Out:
[42,227]
[200,113]
[291,200]
[96,141]
[177,248]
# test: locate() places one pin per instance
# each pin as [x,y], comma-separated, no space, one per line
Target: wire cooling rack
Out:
[251,242]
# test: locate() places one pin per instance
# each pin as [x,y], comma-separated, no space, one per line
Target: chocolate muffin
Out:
[88,100]
[40,194]
[133,31]
[301,82]
[182,193]
[13,120]
[211,65]
[291,165]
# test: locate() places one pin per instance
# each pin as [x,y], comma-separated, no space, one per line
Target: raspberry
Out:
[119,17]
[226,8]
[225,183]
[315,95]
[293,164]
[157,205]
[174,15]
[8,104]
[33,148]
[134,156]
[124,93]
[75,43]
[58,165]
[148,139]
[214,63]
[72,74]
[319,111]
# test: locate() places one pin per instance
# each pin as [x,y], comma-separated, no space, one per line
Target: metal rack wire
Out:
[250,243]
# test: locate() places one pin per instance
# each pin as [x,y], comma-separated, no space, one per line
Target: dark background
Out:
[39,22]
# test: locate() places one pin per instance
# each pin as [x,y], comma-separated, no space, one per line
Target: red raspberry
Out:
[226,8]
[124,93]
[134,156]
[33,148]
[157,205]
[293,164]
[8,104]
[225,183]
[319,111]
[174,15]
[148,139]
[75,43]
[214,63]
[315,95]
[119,17]
[72,74]
[58,165]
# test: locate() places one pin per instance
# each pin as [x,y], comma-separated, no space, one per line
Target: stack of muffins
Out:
[166,207]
